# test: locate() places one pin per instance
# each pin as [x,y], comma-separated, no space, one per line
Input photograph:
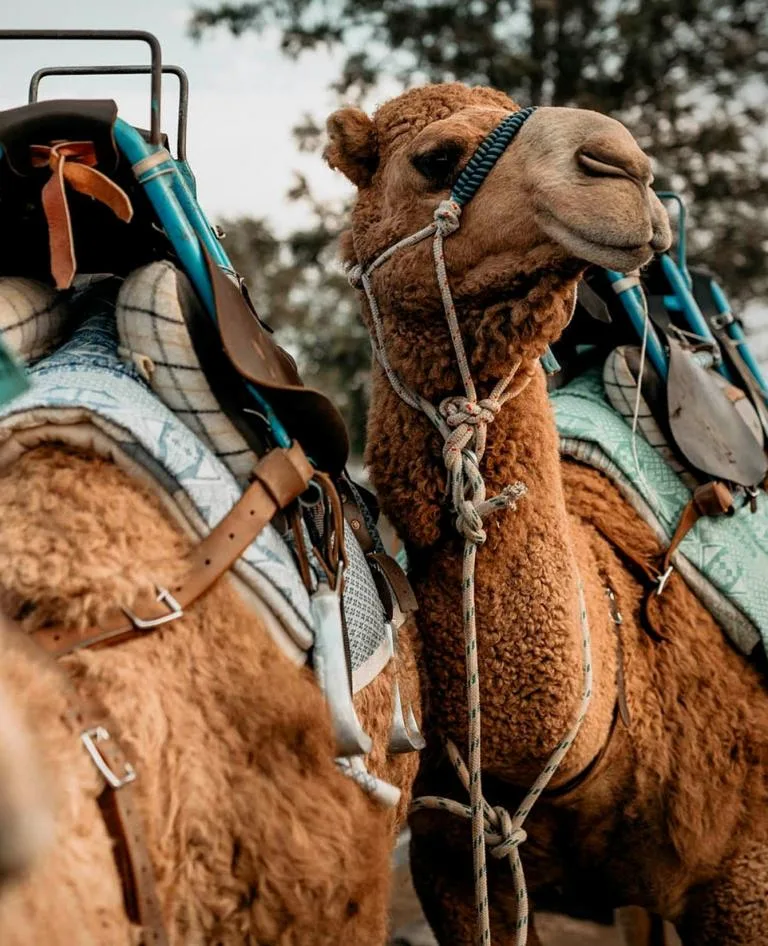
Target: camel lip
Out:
[619,256]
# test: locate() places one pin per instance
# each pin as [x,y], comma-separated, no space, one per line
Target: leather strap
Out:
[278,478]
[388,576]
[73,162]
[122,819]
[560,791]
[710,499]
[401,587]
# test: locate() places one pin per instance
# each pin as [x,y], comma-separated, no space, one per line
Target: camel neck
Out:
[529,638]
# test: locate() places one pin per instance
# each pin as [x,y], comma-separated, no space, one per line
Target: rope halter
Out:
[462,420]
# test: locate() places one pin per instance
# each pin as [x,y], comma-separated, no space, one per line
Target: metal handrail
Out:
[121,35]
[181,134]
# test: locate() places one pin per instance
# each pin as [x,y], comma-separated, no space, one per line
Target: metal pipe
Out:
[181,132]
[119,35]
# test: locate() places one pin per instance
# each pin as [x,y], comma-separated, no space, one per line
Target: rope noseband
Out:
[462,420]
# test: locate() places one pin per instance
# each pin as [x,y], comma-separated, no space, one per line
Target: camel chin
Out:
[586,247]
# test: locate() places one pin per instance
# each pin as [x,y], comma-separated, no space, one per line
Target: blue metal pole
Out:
[634,303]
[163,184]
[689,307]
[735,333]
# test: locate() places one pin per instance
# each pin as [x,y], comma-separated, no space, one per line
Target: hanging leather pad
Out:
[705,425]
[308,416]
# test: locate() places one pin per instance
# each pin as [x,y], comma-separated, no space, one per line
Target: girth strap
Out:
[121,818]
[279,478]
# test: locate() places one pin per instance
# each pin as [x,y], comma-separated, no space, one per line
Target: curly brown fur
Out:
[254,834]
[674,813]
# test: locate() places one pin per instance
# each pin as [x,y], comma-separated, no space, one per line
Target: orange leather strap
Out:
[73,162]
[710,499]
[278,478]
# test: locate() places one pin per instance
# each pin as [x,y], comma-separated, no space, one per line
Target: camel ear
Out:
[353,147]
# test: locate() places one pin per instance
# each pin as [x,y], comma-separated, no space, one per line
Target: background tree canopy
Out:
[688,77]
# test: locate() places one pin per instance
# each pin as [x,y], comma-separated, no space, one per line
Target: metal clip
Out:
[89,738]
[663,579]
[618,620]
[721,320]
[331,665]
[175,611]
[404,733]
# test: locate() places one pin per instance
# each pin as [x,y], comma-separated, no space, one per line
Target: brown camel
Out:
[26,805]
[254,834]
[673,815]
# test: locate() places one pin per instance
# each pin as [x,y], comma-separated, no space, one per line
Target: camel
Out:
[670,814]
[255,836]
[26,807]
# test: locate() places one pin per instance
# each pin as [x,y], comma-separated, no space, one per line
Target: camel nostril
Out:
[597,165]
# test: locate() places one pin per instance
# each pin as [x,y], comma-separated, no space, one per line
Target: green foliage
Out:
[688,77]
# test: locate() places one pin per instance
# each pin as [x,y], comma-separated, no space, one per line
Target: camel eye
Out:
[439,165]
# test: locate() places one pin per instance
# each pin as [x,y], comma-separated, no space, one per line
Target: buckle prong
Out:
[89,738]
[663,579]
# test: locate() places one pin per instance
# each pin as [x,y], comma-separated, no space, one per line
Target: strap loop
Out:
[73,162]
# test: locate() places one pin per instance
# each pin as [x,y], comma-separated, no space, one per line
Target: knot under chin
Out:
[447,217]
[502,838]
[459,410]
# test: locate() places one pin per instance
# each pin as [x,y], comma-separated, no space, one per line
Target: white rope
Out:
[462,420]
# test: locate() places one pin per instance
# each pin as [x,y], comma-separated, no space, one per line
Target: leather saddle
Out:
[714,426]
[236,350]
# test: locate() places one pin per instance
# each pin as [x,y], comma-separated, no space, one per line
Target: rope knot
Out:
[354,273]
[447,217]
[502,838]
[458,410]
[469,522]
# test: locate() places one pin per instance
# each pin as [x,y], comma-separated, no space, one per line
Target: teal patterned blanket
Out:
[725,560]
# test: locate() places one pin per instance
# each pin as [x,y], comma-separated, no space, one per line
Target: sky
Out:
[244,96]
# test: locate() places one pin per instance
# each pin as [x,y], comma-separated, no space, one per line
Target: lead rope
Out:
[463,421]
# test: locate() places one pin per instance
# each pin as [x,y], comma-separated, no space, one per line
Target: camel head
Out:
[572,188]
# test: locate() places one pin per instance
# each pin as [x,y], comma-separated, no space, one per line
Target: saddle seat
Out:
[712,427]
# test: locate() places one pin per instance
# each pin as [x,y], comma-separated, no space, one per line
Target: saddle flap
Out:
[309,416]
[706,426]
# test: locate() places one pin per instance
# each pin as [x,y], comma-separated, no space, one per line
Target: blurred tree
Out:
[688,77]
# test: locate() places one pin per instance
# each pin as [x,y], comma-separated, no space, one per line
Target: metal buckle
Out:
[174,608]
[663,579]
[89,738]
